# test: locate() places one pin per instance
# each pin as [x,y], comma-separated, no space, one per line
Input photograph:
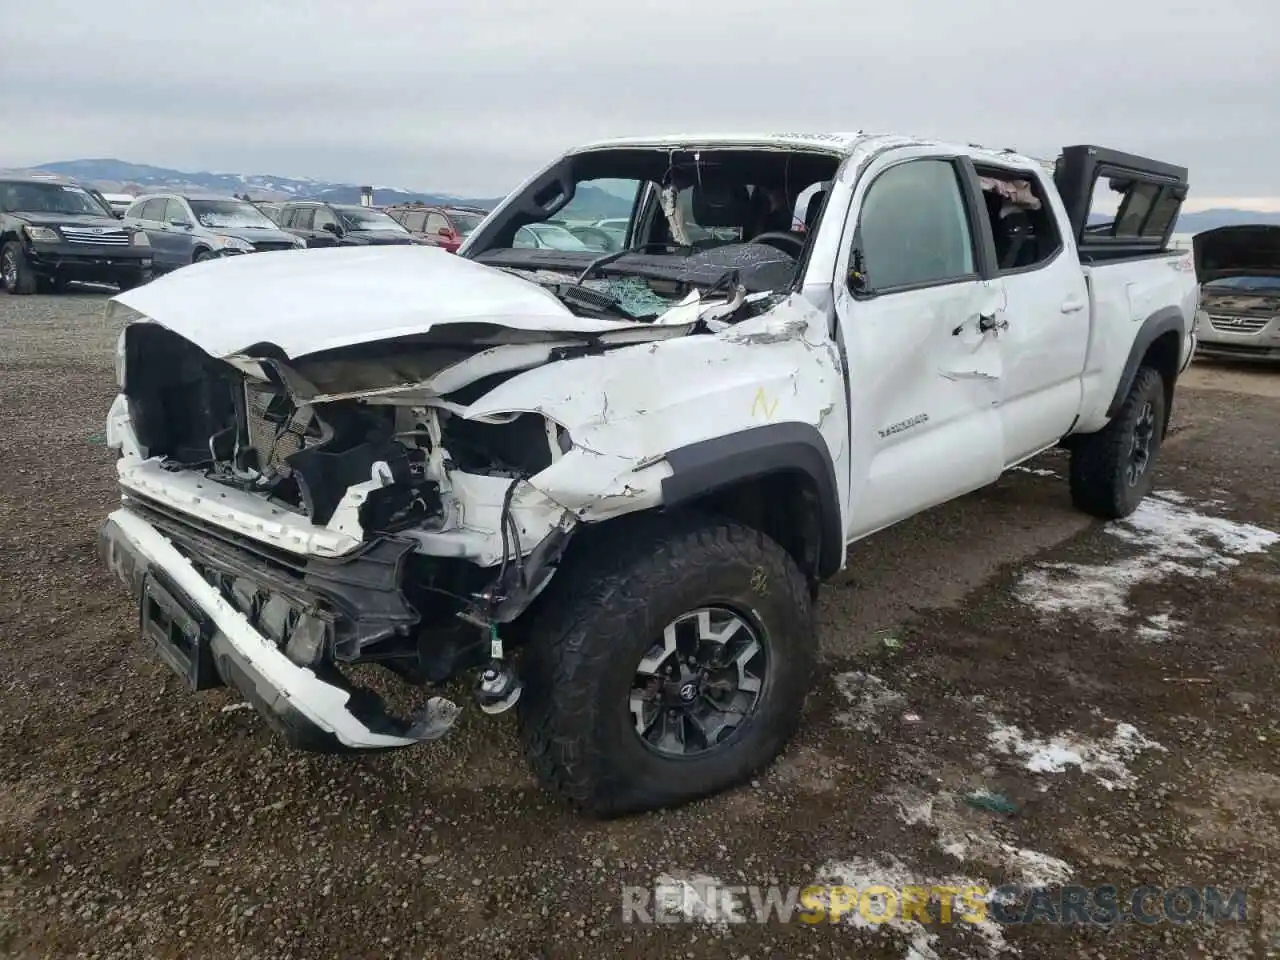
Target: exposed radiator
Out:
[270,420]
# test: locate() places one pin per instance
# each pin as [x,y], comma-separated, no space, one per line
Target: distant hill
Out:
[1209,219]
[121,176]
[115,176]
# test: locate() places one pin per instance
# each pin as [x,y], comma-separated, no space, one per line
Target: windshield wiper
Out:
[595,301]
[608,258]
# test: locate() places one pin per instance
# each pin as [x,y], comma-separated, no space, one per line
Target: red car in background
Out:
[439,226]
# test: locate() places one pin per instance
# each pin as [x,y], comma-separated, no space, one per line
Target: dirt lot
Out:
[1112,685]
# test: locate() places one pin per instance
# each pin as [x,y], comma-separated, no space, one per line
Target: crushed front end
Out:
[277,532]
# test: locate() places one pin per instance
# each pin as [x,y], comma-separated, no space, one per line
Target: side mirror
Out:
[332,228]
[445,232]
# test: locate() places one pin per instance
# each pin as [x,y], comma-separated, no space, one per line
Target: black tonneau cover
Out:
[1150,197]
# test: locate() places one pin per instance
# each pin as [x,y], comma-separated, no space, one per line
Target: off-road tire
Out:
[1099,461]
[595,621]
[26,280]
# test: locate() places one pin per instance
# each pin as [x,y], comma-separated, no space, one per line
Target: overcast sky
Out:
[470,96]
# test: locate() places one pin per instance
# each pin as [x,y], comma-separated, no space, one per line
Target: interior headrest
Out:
[814,207]
[718,203]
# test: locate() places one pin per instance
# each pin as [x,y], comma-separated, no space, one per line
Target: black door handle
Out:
[988,322]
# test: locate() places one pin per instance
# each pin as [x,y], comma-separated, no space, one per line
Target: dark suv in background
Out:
[443,227]
[323,224]
[54,230]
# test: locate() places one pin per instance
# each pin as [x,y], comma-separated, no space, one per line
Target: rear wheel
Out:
[668,670]
[1113,470]
[15,272]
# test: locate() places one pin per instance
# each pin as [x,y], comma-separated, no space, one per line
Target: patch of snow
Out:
[233,707]
[868,696]
[1035,471]
[1104,760]
[1172,539]
[968,835]
[1158,627]
[889,871]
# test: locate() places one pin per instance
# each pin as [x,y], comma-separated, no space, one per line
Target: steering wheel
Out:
[776,238]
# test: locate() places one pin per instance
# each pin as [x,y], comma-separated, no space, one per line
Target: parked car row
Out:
[190,228]
[54,230]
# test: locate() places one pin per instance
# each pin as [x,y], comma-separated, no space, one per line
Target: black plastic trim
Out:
[1159,323]
[979,225]
[709,465]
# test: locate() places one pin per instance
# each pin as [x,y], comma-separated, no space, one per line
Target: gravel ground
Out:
[1111,684]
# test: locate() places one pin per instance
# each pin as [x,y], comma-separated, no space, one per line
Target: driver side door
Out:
[924,374]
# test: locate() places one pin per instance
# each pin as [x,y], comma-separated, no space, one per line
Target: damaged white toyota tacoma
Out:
[606,484]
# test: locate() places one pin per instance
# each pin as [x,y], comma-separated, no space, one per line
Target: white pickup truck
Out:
[608,485]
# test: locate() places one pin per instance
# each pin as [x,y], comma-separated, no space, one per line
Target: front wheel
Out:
[668,666]
[15,272]
[1112,470]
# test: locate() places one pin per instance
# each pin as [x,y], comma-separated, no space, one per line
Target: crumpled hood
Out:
[1249,250]
[308,301]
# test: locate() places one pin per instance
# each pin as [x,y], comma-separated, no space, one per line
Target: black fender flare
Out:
[1163,321]
[789,447]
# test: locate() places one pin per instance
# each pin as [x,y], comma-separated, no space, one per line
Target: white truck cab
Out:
[612,483]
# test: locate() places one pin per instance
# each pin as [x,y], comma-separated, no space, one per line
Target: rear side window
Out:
[303,217]
[412,221]
[1023,227]
[913,230]
[176,210]
[153,210]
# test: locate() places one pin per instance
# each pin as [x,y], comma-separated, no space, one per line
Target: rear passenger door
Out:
[1044,301]
[180,226]
[301,221]
[151,218]
[924,374]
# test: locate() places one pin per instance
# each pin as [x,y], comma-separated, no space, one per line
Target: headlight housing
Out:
[231,243]
[42,234]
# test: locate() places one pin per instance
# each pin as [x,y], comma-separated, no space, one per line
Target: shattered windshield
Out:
[229,214]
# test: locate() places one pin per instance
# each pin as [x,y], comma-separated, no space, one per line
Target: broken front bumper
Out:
[208,641]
